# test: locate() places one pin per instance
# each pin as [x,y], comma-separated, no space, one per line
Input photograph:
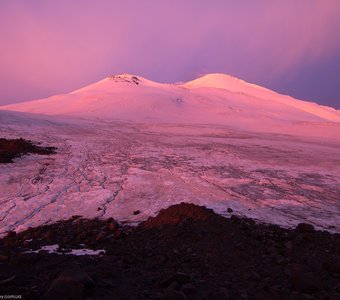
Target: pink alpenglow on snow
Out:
[127,144]
[210,99]
[289,46]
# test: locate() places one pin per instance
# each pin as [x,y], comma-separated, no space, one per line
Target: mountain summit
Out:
[218,80]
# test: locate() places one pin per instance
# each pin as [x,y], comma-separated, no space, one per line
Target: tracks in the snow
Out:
[113,165]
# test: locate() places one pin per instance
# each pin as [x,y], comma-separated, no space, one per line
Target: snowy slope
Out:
[239,86]
[211,99]
[127,144]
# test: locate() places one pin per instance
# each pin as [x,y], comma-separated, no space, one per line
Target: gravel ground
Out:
[185,252]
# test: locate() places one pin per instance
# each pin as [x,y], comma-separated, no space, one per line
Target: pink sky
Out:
[49,47]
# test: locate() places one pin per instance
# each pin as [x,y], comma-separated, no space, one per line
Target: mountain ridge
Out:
[210,98]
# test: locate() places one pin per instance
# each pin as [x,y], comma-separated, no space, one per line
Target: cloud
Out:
[288,35]
[55,46]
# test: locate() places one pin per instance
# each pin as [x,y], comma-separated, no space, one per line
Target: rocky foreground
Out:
[186,252]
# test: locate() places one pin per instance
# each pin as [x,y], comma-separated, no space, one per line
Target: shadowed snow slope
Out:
[211,99]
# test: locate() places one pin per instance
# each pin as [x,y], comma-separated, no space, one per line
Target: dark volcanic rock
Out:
[12,148]
[186,252]
[178,213]
[173,295]
[304,227]
[66,287]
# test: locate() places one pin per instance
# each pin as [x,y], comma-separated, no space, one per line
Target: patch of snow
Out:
[48,248]
[77,252]
[80,252]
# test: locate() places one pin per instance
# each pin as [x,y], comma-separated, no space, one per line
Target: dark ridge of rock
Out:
[125,78]
[13,148]
[304,227]
[186,252]
[178,213]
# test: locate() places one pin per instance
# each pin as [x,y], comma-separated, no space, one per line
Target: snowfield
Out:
[127,144]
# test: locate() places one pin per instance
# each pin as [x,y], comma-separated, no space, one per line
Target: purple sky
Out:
[49,47]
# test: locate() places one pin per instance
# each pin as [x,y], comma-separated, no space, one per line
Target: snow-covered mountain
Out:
[211,99]
[126,143]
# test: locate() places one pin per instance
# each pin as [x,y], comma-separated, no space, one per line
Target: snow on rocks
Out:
[57,250]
